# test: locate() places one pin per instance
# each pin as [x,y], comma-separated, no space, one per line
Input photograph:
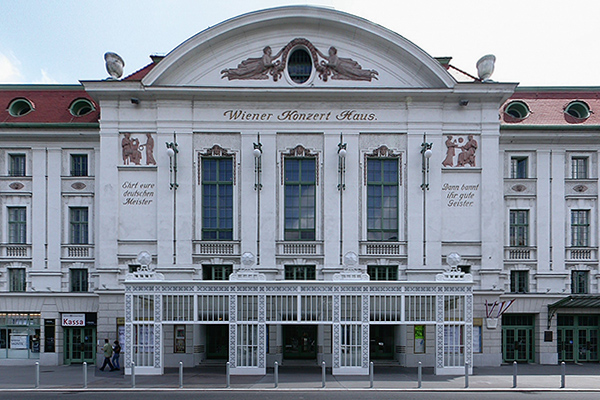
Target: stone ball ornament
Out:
[453,259]
[247,259]
[350,259]
[114,65]
[144,258]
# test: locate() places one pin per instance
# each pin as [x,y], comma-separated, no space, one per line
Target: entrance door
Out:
[381,343]
[577,338]
[518,338]
[217,345]
[300,342]
[79,345]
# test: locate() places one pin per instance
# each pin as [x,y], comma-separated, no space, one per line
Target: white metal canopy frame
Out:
[350,308]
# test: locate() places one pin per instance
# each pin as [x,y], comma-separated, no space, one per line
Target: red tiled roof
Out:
[547,107]
[140,74]
[51,104]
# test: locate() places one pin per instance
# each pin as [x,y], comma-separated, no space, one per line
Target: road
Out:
[294,395]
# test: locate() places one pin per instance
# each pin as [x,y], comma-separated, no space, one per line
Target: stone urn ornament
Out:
[485,67]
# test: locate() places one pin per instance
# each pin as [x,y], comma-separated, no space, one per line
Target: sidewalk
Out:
[530,377]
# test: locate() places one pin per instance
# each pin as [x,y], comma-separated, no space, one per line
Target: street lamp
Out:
[172,153]
[342,165]
[426,154]
[257,165]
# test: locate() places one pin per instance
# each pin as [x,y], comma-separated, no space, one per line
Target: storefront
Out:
[20,335]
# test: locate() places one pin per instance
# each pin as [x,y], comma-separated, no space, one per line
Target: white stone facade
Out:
[396,103]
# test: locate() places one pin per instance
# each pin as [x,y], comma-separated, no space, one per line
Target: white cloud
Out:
[9,70]
[46,79]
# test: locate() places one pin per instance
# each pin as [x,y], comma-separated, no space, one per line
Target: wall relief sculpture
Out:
[327,65]
[136,153]
[467,149]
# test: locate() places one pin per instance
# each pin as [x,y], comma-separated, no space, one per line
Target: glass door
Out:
[79,345]
[518,338]
[300,342]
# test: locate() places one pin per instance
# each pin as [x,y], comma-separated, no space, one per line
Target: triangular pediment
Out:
[255,50]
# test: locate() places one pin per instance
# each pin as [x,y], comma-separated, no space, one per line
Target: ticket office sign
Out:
[73,320]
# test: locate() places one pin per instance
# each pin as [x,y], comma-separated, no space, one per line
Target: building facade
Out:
[299,184]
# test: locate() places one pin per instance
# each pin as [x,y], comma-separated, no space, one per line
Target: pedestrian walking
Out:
[108,352]
[116,354]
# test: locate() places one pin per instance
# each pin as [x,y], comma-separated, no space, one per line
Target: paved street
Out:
[297,395]
[531,378]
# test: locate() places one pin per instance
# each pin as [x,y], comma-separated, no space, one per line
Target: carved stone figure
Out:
[451,146]
[346,68]
[149,146]
[114,65]
[126,148]
[253,68]
[130,150]
[467,156]
[326,65]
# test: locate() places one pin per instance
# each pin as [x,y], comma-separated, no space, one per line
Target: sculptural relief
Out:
[467,155]
[330,65]
[133,152]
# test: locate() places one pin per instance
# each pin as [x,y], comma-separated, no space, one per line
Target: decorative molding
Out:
[580,188]
[16,186]
[382,152]
[326,65]
[519,188]
[216,151]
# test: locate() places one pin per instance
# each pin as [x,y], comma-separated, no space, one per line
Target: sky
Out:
[536,42]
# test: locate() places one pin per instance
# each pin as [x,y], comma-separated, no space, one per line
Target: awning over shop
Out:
[574,301]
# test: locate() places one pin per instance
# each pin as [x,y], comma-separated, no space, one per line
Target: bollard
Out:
[419,374]
[228,366]
[132,374]
[563,372]
[276,373]
[514,374]
[371,373]
[466,374]
[180,374]
[85,375]
[323,374]
[37,374]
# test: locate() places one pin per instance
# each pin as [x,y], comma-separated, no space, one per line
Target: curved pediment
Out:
[299,46]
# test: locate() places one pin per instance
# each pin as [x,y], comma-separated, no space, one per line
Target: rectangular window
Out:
[519,281]
[579,282]
[16,165]
[579,167]
[518,167]
[17,282]
[217,198]
[216,272]
[383,272]
[79,280]
[17,225]
[78,219]
[382,199]
[300,272]
[79,165]
[580,228]
[300,189]
[519,228]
